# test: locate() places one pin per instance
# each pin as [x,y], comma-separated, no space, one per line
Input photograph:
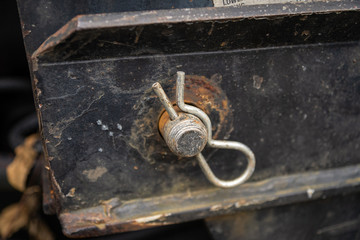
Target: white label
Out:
[224,3]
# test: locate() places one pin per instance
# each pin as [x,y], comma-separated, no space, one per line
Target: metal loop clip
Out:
[221,144]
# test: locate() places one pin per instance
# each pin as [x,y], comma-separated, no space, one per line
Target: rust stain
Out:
[99,220]
[55,191]
[208,96]
[91,224]
[306,34]
[201,92]
[211,28]
[223,44]
[51,196]
[25,32]
[57,37]
[108,205]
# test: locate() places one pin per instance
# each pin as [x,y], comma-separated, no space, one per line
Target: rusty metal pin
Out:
[185,134]
[164,100]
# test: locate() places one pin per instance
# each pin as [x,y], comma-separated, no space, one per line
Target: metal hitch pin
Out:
[221,144]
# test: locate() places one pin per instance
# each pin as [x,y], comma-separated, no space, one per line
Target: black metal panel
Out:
[198,30]
[41,18]
[302,116]
[285,80]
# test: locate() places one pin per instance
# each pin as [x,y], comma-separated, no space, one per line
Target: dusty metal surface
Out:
[291,72]
[282,104]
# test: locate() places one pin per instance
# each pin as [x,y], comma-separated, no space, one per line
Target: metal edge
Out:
[115,216]
[188,15]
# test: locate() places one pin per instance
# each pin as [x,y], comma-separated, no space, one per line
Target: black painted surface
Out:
[91,42]
[41,18]
[292,83]
[303,116]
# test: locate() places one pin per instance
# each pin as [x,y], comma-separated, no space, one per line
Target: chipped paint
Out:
[148,219]
[94,174]
[310,192]
[257,81]
[71,193]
